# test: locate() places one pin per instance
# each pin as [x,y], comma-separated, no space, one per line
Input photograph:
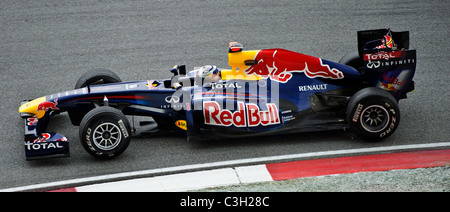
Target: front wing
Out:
[42,145]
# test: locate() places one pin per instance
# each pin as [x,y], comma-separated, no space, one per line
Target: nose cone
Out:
[32,107]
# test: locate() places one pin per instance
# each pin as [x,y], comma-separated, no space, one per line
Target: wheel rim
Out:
[107,136]
[374,118]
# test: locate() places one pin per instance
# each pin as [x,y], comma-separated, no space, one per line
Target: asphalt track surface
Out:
[46,45]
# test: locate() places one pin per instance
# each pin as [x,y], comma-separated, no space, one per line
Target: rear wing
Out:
[369,40]
[388,62]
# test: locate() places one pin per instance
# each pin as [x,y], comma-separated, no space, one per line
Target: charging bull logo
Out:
[279,64]
[45,106]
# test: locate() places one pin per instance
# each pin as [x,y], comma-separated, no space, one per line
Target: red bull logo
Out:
[247,115]
[46,105]
[32,121]
[279,64]
[42,138]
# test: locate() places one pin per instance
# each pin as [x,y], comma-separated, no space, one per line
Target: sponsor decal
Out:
[174,106]
[42,145]
[103,88]
[181,124]
[247,115]
[225,85]
[383,55]
[377,64]
[393,81]
[32,121]
[312,87]
[287,118]
[46,105]
[174,102]
[43,138]
[131,86]
[88,141]
[387,59]
[279,64]
[357,113]
[123,129]
[373,64]
[391,126]
[172,99]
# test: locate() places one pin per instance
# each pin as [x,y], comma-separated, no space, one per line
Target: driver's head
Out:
[209,71]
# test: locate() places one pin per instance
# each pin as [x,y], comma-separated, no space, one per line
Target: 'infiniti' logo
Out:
[172,99]
[375,64]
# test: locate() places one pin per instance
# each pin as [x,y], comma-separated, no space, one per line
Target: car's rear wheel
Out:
[373,114]
[352,59]
[105,132]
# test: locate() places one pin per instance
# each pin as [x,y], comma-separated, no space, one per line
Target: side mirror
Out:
[250,62]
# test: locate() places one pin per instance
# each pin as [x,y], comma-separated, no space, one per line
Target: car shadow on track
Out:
[280,140]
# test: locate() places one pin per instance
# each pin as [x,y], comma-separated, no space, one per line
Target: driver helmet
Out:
[387,42]
[209,71]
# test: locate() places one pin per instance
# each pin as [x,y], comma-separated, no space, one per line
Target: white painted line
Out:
[110,177]
[253,174]
[175,182]
[185,181]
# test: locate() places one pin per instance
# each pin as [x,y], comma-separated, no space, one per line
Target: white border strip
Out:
[196,167]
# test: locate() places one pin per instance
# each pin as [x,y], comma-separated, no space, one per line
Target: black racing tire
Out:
[92,77]
[105,132]
[373,114]
[96,77]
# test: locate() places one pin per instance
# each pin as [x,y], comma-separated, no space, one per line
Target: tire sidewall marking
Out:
[357,112]
[392,124]
[123,129]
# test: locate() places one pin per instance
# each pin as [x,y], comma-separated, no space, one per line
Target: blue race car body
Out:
[266,92]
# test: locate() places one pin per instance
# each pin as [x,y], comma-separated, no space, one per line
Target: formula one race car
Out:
[266,92]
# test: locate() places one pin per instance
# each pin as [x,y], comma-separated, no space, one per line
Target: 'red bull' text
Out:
[247,115]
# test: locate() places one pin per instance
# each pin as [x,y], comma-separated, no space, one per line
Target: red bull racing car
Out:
[266,92]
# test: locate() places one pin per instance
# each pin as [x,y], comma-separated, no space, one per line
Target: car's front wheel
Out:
[105,132]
